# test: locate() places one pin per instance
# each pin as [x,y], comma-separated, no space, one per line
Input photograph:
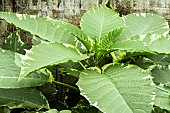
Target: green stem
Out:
[82,65]
[66,85]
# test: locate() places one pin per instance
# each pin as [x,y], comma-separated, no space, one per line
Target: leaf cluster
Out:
[110,64]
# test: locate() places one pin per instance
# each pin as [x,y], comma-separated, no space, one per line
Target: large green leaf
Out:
[120,89]
[138,24]
[10,70]
[40,26]
[134,84]
[22,98]
[98,22]
[48,54]
[162,97]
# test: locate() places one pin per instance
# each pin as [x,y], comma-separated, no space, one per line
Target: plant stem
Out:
[82,65]
[66,85]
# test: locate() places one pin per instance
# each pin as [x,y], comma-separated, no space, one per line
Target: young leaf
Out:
[138,24]
[10,70]
[40,26]
[23,98]
[126,87]
[98,22]
[48,54]
[109,38]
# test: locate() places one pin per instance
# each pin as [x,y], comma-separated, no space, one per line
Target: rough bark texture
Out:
[160,7]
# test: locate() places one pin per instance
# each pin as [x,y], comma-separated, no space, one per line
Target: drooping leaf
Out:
[126,87]
[22,98]
[161,74]
[138,24]
[162,97]
[14,43]
[109,38]
[40,26]
[48,54]
[10,70]
[98,22]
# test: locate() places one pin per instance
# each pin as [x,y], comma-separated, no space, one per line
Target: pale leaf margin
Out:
[48,54]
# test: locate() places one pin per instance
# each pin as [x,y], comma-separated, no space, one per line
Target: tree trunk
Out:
[160,7]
